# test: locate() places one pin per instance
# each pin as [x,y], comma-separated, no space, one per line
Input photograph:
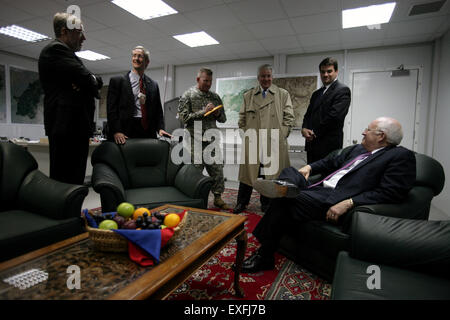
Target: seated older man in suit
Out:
[375,171]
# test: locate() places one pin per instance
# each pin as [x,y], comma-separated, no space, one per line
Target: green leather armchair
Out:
[36,211]
[316,244]
[141,172]
[411,257]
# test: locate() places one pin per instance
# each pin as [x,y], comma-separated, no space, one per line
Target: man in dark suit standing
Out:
[69,103]
[375,171]
[323,122]
[134,107]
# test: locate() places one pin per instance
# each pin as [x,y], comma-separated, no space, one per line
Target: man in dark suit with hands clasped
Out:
[69,104]
[323,122]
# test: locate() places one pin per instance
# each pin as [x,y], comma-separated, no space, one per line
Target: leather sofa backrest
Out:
[146,162]
[15,164]
[414,244]
[429,173]
[110,154]
[139,163]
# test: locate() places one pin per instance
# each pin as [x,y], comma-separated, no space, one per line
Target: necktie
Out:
[143,109]
[361,156]
[264,93]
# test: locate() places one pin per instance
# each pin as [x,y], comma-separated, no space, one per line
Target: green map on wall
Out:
[231,91]
[26,97]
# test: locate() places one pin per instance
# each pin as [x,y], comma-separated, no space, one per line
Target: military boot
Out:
[219,203]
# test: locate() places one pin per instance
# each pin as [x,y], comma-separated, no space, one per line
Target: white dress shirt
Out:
[333,181]
[134,80]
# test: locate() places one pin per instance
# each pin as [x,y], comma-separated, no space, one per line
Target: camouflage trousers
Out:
[215,170]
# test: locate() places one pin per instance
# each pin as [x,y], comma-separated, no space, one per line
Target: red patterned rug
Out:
[214,281]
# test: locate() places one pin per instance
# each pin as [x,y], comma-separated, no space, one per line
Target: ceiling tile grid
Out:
[244,28]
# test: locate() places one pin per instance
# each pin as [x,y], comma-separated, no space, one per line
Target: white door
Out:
[376,94]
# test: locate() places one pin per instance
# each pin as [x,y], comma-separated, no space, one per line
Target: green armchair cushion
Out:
[146,176]
[23,231]
[153,197]
[36,211]
[350,282]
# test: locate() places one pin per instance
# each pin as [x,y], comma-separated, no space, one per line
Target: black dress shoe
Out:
[239,208]
[257,262]
[276,188]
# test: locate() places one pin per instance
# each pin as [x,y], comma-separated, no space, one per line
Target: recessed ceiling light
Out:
[366,16]
[146,9]
[91,55]
[196,39]
[22,33]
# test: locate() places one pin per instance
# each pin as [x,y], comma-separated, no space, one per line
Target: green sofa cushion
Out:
[157,196]
[351,276]
[23,231]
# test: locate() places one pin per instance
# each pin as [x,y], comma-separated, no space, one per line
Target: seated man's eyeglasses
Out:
[373,130]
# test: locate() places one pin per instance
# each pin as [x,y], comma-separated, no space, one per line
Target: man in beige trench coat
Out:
[265,107]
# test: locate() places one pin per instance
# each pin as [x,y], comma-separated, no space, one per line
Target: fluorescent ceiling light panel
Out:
[146,9]
[196,39]
[22,33]
[367,16]
[91,55]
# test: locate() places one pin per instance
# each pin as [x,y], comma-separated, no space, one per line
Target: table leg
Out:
[241,241]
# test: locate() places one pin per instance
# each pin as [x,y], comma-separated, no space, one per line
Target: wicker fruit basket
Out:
[110,241]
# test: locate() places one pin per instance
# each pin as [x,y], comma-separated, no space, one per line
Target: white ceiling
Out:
[244,29]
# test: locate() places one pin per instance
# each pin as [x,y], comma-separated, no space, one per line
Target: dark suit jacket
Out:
[384,177]
[325,116]
[66,111]
[121,106]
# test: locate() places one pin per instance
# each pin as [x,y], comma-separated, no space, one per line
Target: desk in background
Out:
[40,152]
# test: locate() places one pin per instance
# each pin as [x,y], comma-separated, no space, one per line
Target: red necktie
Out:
[143,109]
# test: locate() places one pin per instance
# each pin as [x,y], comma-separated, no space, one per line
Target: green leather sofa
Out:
[315,245]
[35,211]
[394,259]
[141,172]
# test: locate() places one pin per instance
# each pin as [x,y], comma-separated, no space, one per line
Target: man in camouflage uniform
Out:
[193,105]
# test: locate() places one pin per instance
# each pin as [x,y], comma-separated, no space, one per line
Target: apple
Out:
[125,209]
[108,225]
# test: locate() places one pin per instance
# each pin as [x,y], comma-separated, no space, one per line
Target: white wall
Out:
[441,150]
[374,59]
[390,58]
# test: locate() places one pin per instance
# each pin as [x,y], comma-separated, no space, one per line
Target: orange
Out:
[172,220]
[139,212]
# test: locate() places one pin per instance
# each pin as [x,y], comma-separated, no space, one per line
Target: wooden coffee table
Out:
[105,275]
